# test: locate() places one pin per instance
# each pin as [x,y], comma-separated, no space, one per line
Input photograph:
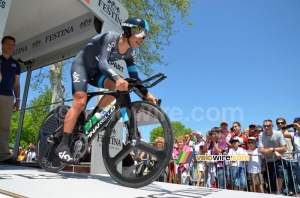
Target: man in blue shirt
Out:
[10,71]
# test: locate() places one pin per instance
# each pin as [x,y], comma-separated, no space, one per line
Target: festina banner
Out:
[4,10]
[109,11]
[57,38]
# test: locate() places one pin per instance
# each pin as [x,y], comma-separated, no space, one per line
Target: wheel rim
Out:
[47,158]
[163,155]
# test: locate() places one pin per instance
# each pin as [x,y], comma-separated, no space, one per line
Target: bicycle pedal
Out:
[56,136]
[50,140]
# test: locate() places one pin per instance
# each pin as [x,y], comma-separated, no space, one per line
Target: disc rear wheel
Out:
[49,137]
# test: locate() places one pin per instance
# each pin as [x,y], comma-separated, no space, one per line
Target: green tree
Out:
[33,118]
[178,128]
[42,107]
[161,15]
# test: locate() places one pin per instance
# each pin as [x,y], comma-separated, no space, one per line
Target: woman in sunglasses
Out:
[93,65]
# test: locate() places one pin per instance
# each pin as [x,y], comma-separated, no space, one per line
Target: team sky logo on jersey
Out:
[127,24]
[134,57]
[110,46]
[13,65]
[75,77]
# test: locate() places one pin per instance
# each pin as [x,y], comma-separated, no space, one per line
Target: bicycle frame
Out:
[133,114]
[122,101]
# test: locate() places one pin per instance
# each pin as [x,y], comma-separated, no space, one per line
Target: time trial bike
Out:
[123,117]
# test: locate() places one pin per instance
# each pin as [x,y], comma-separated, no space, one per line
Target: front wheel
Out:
[148,118]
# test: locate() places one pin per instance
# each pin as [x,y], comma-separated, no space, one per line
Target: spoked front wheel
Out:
[148,118]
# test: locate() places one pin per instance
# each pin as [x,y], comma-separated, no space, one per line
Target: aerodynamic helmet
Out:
[135,26]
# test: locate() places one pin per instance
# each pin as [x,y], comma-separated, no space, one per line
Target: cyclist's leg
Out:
[79,89]
[107,99]
[79,102]
[99,80]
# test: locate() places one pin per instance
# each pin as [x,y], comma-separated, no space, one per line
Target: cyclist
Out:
[92,65]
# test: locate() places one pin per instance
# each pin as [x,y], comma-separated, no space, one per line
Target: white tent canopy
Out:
[50,31]
[29,18]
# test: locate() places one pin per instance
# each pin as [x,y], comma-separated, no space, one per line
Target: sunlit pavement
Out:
[20,181]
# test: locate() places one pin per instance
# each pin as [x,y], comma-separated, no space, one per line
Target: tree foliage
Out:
[33,118]
[161,15]
[178,128]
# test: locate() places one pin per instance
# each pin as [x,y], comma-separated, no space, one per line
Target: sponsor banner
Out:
[4,10]
[110,11]
[60,37]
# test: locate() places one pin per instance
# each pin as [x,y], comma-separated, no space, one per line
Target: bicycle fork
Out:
[133,138]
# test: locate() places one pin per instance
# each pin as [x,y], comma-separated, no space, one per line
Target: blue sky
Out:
[239,62]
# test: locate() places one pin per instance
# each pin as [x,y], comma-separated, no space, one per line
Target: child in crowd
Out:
[198,166]
[254,167]
[237,167]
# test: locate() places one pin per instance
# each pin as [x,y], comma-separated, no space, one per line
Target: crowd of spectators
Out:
[26,154]
[273,165]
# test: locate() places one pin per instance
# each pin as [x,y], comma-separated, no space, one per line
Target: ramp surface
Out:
[21,182]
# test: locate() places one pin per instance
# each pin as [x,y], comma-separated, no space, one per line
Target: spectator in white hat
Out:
[254,167]
[237,167]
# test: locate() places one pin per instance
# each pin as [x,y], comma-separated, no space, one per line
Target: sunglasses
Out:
[139,32]
[280,122]
[269,125]
[251,142]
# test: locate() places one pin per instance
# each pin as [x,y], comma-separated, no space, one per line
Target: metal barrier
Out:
[280,176]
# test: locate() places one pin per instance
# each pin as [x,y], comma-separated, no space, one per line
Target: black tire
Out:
[49,136]
[112,160]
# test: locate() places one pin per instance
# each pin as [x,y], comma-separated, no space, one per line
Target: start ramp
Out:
[18,181]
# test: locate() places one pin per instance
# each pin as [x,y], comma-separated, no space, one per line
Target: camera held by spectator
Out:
[288,126]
